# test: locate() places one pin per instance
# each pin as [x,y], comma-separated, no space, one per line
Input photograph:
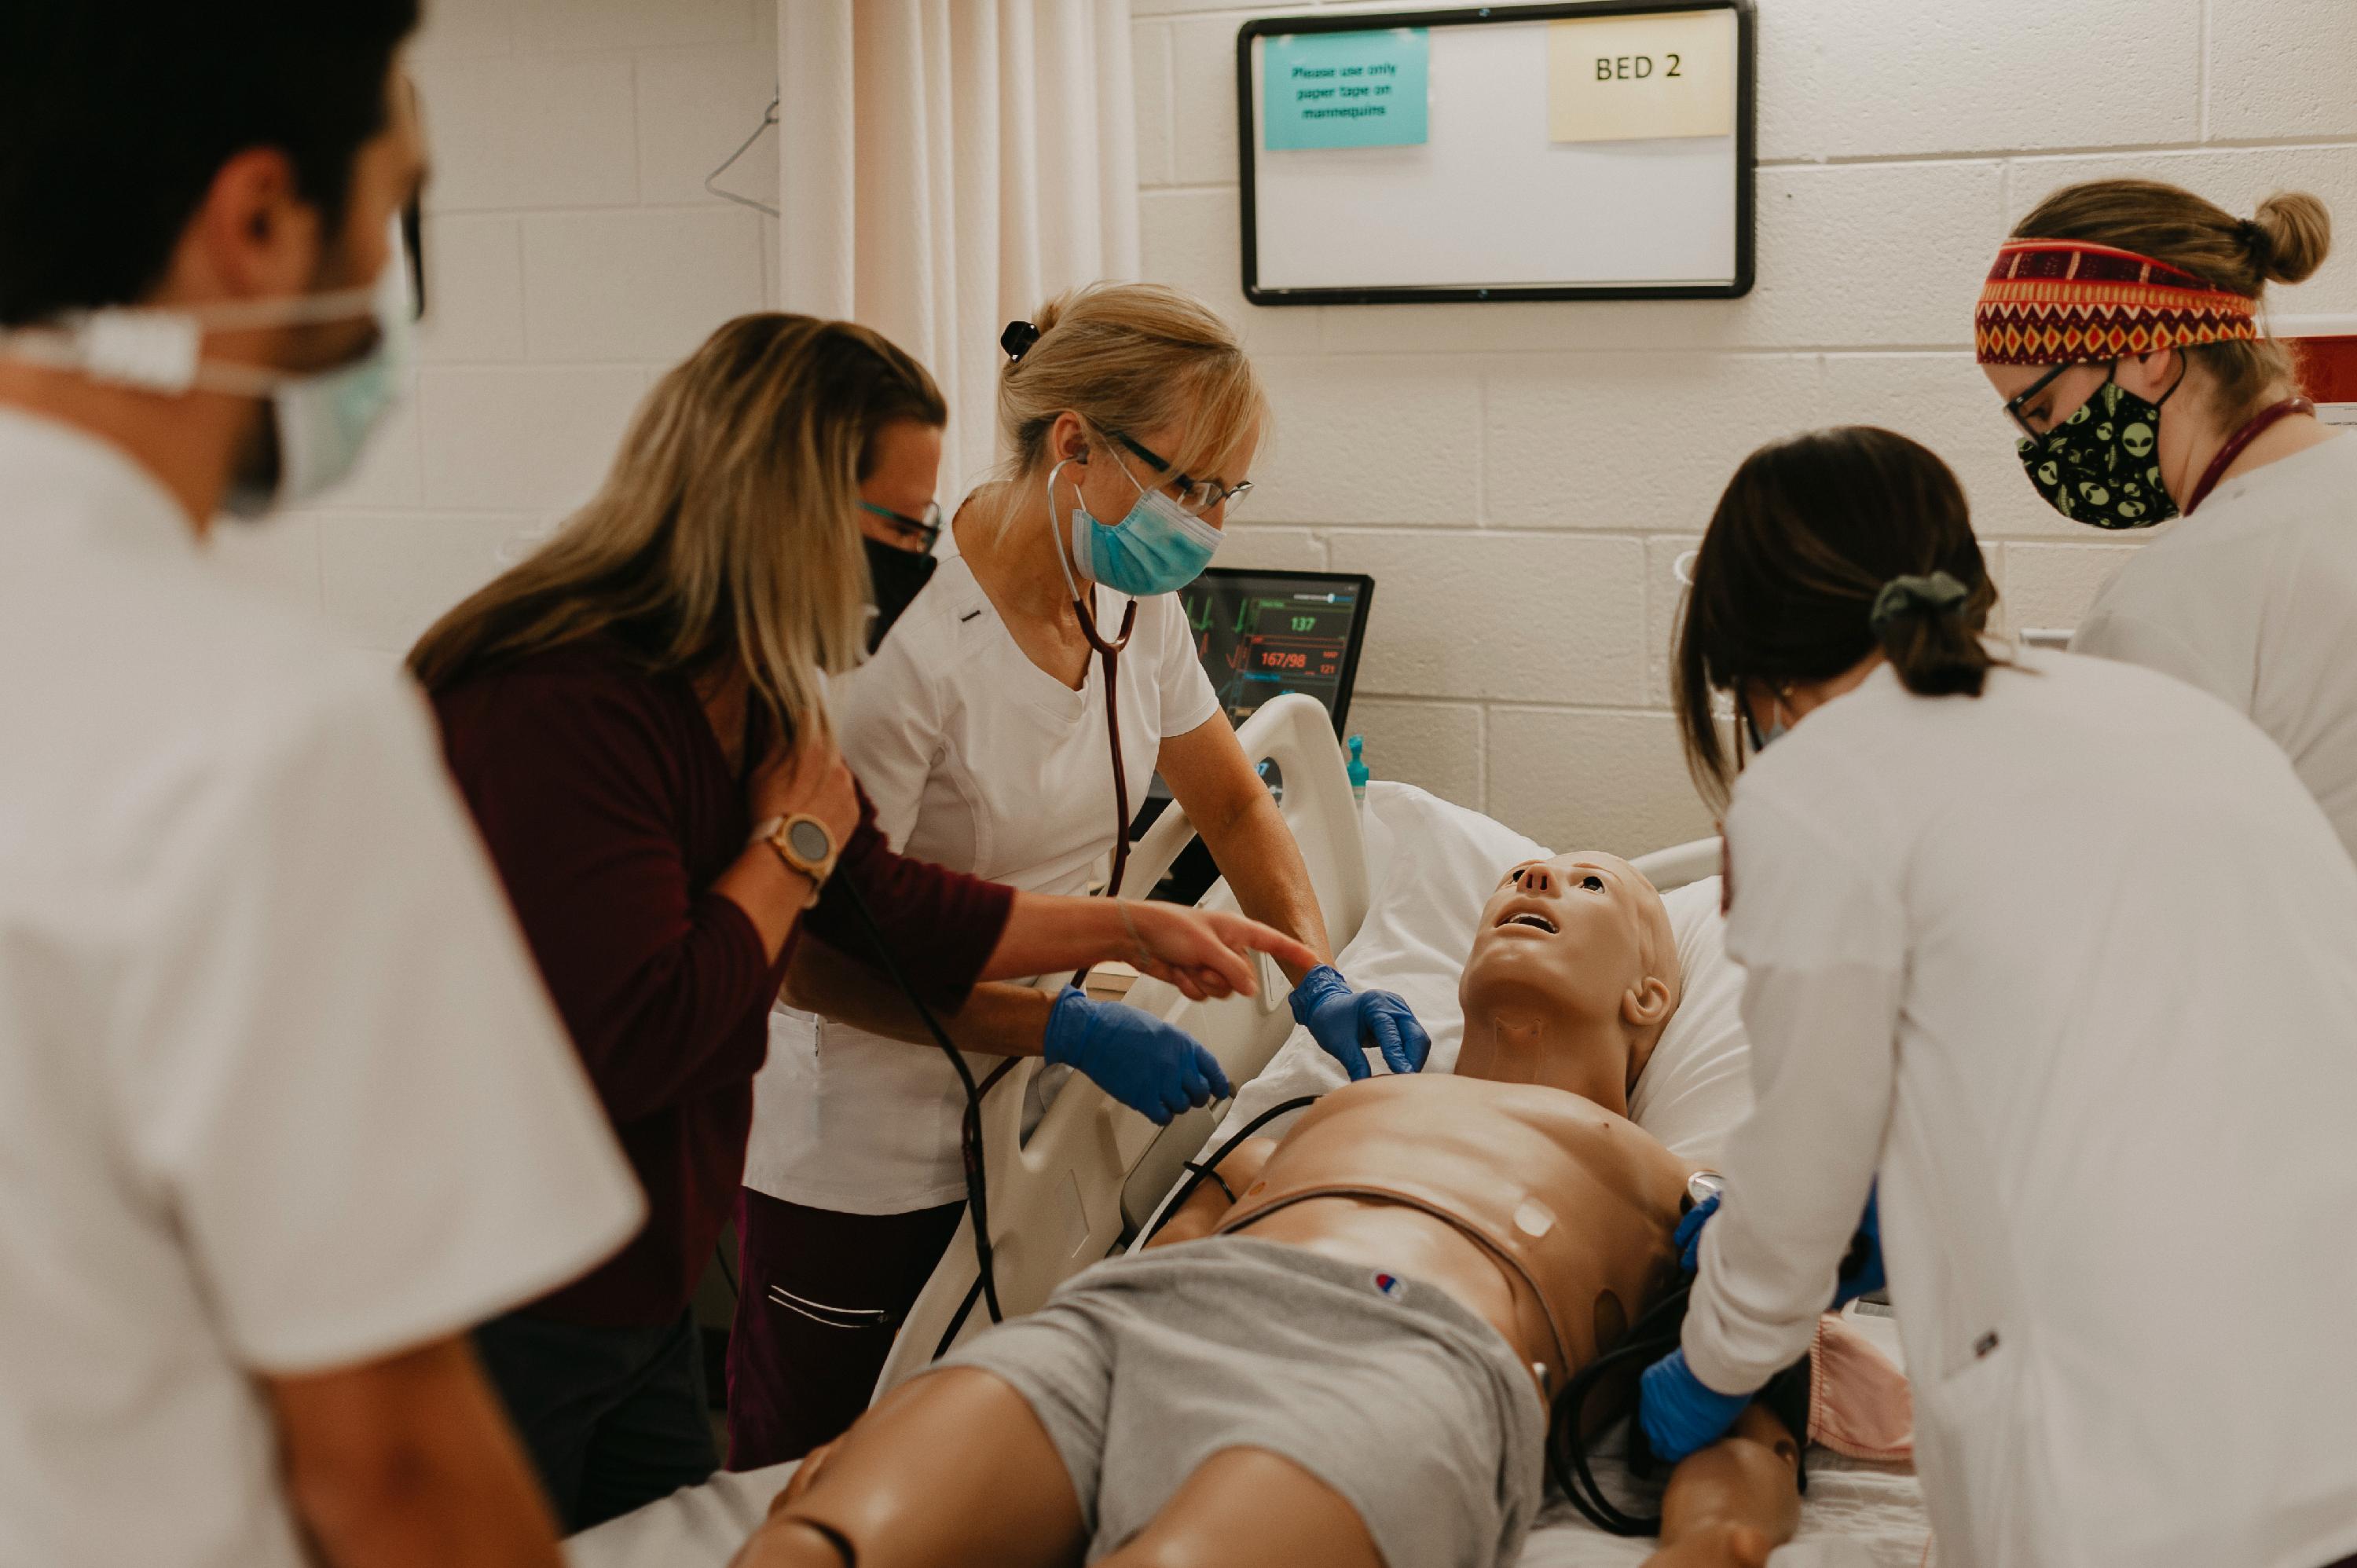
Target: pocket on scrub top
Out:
[1966,1429]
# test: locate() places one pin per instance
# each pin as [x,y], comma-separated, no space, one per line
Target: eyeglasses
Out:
[2015,405]
[1195,496]
[916,533]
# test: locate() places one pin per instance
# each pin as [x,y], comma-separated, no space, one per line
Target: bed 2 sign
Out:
[1629,68]
[1625,79]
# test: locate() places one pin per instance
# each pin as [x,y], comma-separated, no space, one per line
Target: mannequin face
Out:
[1575,953]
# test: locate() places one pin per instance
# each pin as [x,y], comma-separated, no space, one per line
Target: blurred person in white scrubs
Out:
[2121,325]
[285,1109]
[1128,415]
[2059,950]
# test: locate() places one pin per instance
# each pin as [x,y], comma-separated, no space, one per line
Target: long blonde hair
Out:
[2284,241]
[1129,357]
[727,527]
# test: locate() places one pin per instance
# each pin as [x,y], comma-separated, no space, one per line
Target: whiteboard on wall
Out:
[1532,172]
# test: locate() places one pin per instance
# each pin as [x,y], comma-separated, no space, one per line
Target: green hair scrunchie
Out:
[1938,594]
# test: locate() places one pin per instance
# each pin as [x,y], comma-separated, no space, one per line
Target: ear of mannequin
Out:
[1646,1009]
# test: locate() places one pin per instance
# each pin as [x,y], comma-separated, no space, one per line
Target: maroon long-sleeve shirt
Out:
[607,806]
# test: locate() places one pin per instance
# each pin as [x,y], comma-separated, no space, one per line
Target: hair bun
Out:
[2289,236]
[1017,340]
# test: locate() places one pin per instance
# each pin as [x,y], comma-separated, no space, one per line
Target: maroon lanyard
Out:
[2238,442]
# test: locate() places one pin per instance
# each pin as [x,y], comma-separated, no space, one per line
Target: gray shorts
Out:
[1388,1390]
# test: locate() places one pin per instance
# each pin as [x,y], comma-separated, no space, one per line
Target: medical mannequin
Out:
[1520,1169]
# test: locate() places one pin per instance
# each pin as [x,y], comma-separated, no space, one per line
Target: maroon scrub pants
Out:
[820,1297]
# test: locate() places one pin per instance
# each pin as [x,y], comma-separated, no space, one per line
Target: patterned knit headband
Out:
[2057,302]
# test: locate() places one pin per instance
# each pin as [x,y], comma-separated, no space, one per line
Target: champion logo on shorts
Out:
[1390,1286]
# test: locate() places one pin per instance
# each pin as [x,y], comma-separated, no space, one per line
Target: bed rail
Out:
[1058,1200]
[1681,864]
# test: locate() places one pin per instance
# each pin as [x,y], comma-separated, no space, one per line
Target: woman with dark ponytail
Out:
[2061,949]
[2123,325]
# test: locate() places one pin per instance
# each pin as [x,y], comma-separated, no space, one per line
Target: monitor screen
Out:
[1261,634]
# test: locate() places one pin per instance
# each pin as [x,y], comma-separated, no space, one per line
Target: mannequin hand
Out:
[1154,1069]
[810,780]
[1688,1238]
[1342,1022]
[1679,1413]
[1862,1266]
[1202,952]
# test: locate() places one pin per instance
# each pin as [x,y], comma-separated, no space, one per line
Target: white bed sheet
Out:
[1431,867]
[1855,1515]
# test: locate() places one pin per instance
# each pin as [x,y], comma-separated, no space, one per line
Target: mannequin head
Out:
[1573,976]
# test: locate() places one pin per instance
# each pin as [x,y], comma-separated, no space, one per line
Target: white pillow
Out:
[1698,1084]
[1431,867]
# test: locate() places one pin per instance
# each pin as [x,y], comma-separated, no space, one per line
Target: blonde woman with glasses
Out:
[1128,419]
[635,715]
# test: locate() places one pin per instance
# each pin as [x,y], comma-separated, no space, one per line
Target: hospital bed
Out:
[1399,886]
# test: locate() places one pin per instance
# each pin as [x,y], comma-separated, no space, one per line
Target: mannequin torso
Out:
[1542,1211]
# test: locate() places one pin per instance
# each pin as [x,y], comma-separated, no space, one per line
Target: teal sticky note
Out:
[1344,90]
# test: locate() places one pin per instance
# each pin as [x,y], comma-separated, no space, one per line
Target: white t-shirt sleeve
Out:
[1188,700]
[1822,939]
[891,722]
[338,1067]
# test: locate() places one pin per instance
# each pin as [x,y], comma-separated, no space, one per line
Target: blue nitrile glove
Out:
[1679,1415]
[1343,1021]
[1863,1276]
[1687,1239]
[1151,1066]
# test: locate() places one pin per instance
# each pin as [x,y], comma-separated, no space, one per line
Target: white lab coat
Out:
[2073,967]
[279,1089]
[2253,599]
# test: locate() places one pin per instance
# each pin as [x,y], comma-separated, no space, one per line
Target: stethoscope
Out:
[1109,657]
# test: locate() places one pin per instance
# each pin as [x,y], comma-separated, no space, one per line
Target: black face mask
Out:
[898,576]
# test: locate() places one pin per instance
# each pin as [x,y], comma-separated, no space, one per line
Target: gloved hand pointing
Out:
[1344,1022]
[1150,1066]
[1680,1413]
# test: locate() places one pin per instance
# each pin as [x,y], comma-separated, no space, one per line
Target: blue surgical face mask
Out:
[1156,548]
[1762,739]
[322,419]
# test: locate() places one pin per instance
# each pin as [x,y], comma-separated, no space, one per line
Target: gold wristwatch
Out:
[803,842]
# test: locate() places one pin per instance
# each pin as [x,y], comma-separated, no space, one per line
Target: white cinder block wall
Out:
[572,253]
[1518,477]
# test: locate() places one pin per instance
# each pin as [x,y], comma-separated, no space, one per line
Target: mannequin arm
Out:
[1734,1501]
[1210,1203]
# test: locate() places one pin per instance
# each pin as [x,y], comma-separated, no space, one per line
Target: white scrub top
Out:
[279,1091]
[2253,599]
[979,760]
[2073,964]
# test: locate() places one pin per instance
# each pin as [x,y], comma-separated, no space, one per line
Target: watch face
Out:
[810,841]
